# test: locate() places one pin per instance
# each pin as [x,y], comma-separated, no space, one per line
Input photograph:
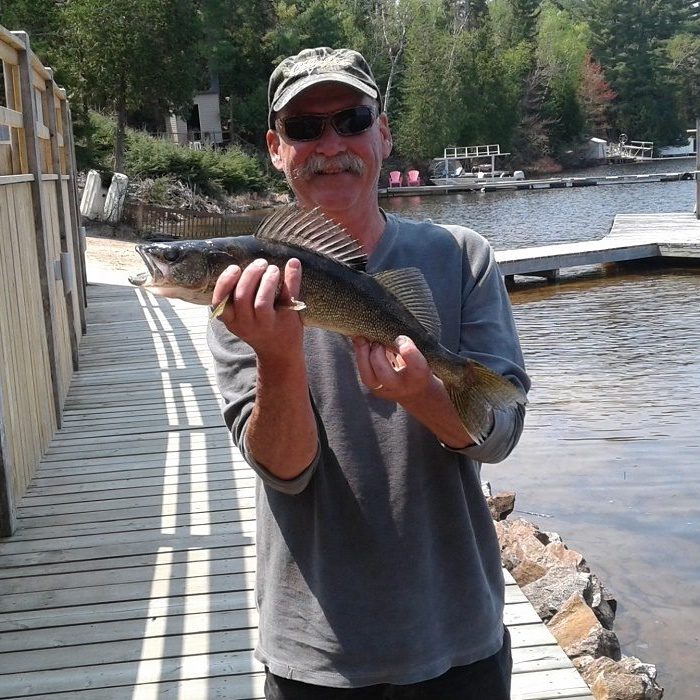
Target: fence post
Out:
[62,207]
[139,217]
[7,508]
[39,210]
[72,167]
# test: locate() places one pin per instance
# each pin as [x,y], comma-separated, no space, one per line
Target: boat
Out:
[470,165]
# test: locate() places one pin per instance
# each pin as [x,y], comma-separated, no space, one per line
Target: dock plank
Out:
[131,573]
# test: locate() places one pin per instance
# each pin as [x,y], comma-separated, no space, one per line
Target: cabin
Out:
[203,125]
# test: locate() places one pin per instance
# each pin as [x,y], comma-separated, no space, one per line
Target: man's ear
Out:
[273,145]
[387,141]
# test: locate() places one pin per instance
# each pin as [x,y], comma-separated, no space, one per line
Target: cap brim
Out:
[305,83]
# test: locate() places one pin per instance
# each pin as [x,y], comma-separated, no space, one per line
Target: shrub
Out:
[94,140]
[211,170]
[214,171]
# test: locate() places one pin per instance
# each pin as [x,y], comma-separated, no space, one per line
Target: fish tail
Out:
[477,393]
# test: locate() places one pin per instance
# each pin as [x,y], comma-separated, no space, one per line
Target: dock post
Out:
[697,168]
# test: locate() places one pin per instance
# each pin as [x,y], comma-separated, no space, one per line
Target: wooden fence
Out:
[42,272]
[168,222]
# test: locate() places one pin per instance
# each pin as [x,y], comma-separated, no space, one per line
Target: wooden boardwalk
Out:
[130,575]
[631,237]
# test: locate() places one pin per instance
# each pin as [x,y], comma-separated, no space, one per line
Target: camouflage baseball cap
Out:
[313,66]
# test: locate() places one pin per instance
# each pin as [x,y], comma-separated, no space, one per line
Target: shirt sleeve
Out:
[488,335]
[235,365]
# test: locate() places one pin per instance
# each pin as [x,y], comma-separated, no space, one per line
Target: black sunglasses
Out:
[346,122]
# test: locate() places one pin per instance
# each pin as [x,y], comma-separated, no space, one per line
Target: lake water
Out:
[610,456]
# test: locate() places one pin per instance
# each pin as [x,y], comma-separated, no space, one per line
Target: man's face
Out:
[333,172]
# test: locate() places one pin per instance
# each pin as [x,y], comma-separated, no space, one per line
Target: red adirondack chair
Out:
[413,178]
[395,178]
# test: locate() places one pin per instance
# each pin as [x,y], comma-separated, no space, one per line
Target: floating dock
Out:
[130,575]
[631,237]
[496,184]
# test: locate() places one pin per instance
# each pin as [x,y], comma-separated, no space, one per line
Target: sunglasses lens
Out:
[347,122]
[353,121]
[307,128]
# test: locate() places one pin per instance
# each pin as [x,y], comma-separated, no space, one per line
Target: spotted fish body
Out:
[338,295]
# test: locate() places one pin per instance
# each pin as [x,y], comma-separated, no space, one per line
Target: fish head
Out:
[182,269]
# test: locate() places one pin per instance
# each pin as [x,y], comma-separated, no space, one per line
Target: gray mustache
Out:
[317,165]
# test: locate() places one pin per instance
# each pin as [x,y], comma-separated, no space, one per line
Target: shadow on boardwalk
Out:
[130,573]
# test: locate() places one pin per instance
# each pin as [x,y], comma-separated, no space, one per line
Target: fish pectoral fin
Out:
[219,309]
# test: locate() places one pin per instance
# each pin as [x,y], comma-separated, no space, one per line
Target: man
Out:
[379,572]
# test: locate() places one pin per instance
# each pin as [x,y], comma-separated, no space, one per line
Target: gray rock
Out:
[548,593]
[627,679]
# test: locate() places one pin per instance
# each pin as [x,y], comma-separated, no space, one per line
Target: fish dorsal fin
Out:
[409,286]
[311,230]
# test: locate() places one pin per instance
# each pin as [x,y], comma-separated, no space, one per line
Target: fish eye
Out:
[171,254]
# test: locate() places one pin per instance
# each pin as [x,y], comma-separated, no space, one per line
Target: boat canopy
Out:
[453,160]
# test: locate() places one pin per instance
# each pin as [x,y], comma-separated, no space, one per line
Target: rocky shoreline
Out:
[573,603]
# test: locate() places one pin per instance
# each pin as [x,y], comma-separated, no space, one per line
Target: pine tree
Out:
[628,39]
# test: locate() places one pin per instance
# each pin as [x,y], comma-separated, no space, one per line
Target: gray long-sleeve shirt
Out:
[380,564]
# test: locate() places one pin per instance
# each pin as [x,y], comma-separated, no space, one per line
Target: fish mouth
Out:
[140,279]
[146,278]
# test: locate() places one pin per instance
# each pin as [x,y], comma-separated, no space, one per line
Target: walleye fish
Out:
[337,295]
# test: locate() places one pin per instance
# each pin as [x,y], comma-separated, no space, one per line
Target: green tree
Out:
[515,21]
[41,19]
[562,45]
[125,55]
[684,62]
[425,122]
[456,93]
[234,52]
[628,39]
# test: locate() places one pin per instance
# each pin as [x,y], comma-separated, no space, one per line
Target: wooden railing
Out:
[42,293]
[168,222]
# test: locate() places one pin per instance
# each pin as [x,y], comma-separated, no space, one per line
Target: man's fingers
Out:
[225,284]
[409,356]
[267,290]
[292,280]
[364,365]
[247,287]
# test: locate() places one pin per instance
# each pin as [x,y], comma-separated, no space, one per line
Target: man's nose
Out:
[330,143]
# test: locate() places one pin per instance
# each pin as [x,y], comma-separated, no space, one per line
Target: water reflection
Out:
[611,448]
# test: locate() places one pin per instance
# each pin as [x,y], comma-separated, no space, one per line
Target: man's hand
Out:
[396,376]
[255,312]
[404,376]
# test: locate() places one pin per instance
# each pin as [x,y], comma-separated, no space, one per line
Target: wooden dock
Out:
[130,574]
[631,237]
[500,184]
